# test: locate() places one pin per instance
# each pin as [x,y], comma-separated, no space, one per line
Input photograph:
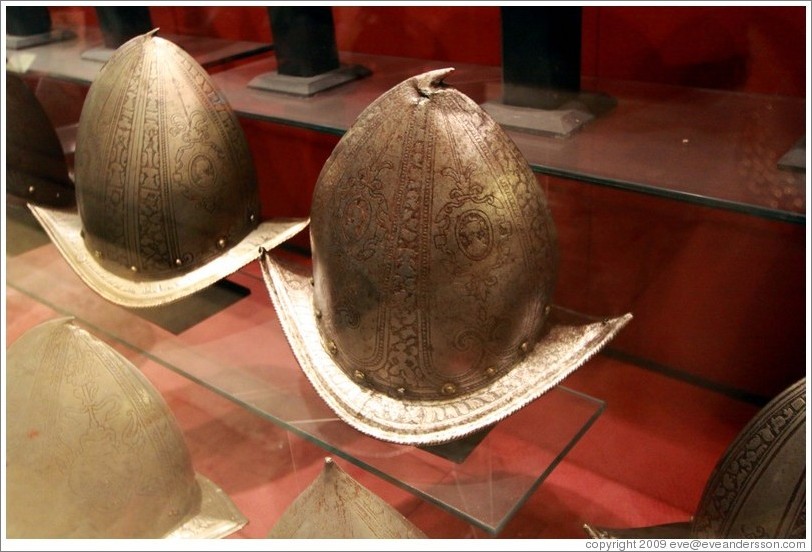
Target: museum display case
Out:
[681,201]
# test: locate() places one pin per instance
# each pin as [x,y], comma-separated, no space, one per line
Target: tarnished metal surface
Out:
[165,184]
[434,264]
[92,449]
[36,170]
[164,177]
[434,252]
[758,487]
[335,506]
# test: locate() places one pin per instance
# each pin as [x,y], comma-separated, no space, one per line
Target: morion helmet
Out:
[757,488]
[166,190]
[434,265]
[336,506]
[36,169]
[93,451]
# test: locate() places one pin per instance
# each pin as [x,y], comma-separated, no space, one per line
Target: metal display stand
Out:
[541,72]
[118,24]
[29,26]
[306,53]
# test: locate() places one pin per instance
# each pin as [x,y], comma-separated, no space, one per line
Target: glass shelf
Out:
[241,353]
[716,148]
[64,59]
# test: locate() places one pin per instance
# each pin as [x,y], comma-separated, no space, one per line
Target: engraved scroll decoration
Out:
[734,479]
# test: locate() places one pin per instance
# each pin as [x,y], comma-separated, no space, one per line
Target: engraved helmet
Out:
[93,451]
[36,169]
[336,506]
[166,189]
[434,266]
[757,488]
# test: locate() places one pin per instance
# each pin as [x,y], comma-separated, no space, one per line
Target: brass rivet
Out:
[318,314]
[31,189]
[134,268]
[546,310]
[178,262]
[448,389]
[490,371]
[524,347]
[359,375]
[221,243]
[98,254]
[332,347]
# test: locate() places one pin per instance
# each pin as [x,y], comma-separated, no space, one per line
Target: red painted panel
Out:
[288,161]
[464,34]
[748,48]
[756,49]
[715,294]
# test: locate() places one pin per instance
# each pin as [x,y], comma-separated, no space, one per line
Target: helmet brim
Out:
[568,342]
[64,227]
[218,516]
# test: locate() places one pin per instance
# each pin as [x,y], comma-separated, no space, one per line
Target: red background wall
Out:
[747,48]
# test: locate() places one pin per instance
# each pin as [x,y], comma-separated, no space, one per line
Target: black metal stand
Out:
[306,53]
[118,24]
[31,26]
[541,72]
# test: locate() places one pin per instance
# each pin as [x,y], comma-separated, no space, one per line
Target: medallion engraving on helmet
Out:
[164,176]
[439,263]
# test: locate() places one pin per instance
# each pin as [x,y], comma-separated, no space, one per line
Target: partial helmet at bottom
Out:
[758,487]
[92,449]
[336,506]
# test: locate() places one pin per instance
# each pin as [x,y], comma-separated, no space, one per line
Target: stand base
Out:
[15,42]
[307,86]
[100,54]
[561,121]
[795,158]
